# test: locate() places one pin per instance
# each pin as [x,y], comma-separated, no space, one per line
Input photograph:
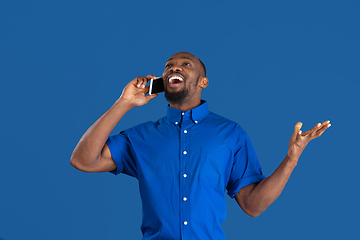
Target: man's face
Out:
[181,76]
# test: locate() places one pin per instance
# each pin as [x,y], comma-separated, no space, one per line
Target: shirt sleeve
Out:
[123,154]
[246,169]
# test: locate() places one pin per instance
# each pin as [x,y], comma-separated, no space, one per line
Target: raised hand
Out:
[299,139]
[135,92]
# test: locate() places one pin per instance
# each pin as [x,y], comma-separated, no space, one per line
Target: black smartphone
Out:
[156,85]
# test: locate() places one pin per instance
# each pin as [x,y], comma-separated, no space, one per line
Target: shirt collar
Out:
[197,114]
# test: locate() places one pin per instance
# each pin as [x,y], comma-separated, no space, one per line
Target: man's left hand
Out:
[299,139]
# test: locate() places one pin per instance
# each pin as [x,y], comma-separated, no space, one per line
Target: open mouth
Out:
[175,79]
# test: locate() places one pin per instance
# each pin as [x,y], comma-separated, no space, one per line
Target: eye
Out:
[168,66]
[186,64]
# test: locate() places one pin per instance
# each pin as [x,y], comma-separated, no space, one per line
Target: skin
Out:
[93,155]
[256,198]
[189,67]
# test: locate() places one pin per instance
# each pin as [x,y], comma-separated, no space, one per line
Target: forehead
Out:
[182,55]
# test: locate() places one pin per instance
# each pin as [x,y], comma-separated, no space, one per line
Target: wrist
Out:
[124,104]
[291,160]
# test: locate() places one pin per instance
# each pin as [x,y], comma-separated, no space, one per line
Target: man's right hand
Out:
[135,92]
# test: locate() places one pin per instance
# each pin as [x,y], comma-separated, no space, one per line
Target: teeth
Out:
[175,77]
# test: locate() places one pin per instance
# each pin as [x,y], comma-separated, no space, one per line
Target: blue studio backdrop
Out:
[270,64]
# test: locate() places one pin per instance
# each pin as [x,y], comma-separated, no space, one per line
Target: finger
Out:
[325,125]
[145,80]
[312,131]
[139,81]
[148,78]
[151,76]
[318,130]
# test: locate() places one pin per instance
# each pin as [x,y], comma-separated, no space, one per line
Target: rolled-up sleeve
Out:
[123,154]
[246,169]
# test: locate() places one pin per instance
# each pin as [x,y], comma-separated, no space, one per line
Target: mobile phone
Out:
[156,86]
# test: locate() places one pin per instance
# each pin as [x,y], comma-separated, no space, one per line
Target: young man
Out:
[197,156]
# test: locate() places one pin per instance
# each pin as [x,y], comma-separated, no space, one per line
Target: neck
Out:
[186,106]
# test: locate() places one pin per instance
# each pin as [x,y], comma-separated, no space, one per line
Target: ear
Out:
[204,82]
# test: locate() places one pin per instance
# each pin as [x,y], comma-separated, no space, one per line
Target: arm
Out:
[92,153]
[256,198]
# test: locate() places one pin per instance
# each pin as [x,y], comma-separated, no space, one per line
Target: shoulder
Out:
[224,122]
[144,127]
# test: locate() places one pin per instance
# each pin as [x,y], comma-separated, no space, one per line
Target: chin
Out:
[175,97]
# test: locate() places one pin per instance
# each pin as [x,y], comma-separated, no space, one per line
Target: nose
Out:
[175,68]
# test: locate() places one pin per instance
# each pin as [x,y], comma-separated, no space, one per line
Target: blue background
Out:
[270,64]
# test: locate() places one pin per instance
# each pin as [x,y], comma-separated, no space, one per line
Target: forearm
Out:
[89,148]
[91,153]
[268,190]
[256,198]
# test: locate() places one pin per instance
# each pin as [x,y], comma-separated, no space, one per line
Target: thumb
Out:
[295,134]
[150,97]
[298,127]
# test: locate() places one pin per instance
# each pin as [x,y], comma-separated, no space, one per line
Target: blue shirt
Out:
[184,162]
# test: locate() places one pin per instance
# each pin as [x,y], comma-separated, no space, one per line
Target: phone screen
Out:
[156,86]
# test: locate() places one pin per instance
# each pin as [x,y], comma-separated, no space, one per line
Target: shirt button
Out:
[185,223]
[185,199]
[182,113]
[185,131]
[176,123]
[185,175]
[185,152]
[196,121]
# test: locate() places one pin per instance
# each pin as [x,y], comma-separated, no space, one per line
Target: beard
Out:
[179,96]
[176,97]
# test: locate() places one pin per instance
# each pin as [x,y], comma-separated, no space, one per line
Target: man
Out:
[185,161]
